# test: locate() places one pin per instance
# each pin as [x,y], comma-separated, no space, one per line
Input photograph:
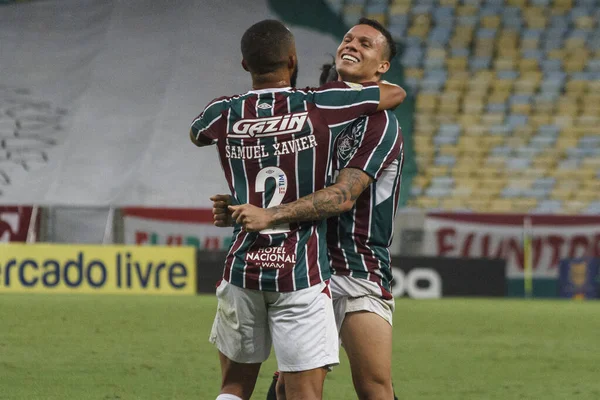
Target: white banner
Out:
[501,236]
[174,227]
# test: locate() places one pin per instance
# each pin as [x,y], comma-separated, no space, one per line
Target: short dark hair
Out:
[265,46]
[391,45]
[328,73]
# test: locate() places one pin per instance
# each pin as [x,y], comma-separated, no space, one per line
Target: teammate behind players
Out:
[274,145]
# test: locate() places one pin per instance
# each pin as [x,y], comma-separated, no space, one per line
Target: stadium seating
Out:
[507,100]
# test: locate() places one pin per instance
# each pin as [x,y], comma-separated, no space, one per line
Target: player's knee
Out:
[280,390]
[374,389]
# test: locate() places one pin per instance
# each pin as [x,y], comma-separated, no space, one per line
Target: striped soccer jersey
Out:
[358,240]
[275,146]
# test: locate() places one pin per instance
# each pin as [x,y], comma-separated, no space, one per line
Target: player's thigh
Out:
[367,339]
[240,330]
[303,329]
[238,379]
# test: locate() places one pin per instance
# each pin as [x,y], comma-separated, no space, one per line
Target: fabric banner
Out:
[97,97]
[174,227]
[501,236]
[14,223]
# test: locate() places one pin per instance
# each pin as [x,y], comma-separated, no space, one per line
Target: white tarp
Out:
[96,97]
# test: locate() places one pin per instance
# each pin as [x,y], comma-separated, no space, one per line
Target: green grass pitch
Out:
[152,347]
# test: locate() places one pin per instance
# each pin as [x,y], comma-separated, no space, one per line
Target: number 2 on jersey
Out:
[278,194]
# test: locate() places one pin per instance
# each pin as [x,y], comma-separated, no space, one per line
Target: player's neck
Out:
[270,81]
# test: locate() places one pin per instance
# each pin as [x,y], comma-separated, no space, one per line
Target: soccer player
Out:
[369,162]
[275,144]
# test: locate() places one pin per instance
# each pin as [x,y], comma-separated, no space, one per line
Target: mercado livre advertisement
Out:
[62,268]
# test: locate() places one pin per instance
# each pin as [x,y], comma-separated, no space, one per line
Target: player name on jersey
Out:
[278,149]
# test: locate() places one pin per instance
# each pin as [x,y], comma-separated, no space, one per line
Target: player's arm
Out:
[390,96]
[340,103]
[203,131]
[328,202]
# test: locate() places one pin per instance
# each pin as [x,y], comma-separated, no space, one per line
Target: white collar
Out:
[270,90]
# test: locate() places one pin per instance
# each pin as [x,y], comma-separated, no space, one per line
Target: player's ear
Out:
[244,65]
[292,62]
[384,67]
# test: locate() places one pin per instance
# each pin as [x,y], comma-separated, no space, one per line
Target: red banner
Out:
[554,237]
[14,223]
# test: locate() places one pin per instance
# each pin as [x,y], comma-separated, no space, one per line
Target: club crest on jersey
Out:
[350,140]
[269,126]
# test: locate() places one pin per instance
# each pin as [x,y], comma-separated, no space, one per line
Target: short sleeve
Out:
[204,126]
[342,102]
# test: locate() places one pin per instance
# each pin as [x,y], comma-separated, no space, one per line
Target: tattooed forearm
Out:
[325,203]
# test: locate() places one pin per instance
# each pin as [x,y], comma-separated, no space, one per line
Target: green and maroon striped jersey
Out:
[359,240]
[275,146]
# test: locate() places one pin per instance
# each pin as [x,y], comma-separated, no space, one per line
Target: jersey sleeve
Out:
[343,102]
[380,146]
[204,127]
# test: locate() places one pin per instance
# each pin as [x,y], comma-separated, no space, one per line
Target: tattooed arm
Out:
[325,203]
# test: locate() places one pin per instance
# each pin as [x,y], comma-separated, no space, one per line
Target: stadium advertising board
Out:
[435,277]
[174,227]
[50,268]
[579,278]
[14,223]
[501,236]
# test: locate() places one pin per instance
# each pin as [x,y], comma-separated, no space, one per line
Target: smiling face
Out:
[361,57]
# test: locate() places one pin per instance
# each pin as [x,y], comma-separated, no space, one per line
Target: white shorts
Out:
[353,294]
[300,325]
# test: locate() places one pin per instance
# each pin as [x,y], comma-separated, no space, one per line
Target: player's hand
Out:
[252,218]
[221,215]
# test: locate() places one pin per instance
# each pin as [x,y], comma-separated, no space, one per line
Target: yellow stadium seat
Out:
[536,22]
[492,119]
[517,3]
[585,174]
[521,108]
[587,195]
[524,204]
[592,185]
[544,161]
[421,181]
[584,22]
[399,9]
[537,172]
[491,22]
[501,205]
[489,172]
[416,73]
[478,205]
[561,194]
[448,3]
[563,3]
[588,120]
[428,202]
[466,10]
[456,84]
[475,130]
[437,170]
[591,162]
[525,86]
[573,207]
[457,63]
[539,119]
[505,64]
[469,120]
[448,150]
[563,121]
[556,54]
[571,65]
[381,18]
[503,85]
[463,171]
[566,142]
[473,106]
[524,131]
[499,96]
[453,204]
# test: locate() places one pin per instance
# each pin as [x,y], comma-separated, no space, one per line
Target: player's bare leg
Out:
[370,360]
[280,388]
[304,385]
[238,379]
